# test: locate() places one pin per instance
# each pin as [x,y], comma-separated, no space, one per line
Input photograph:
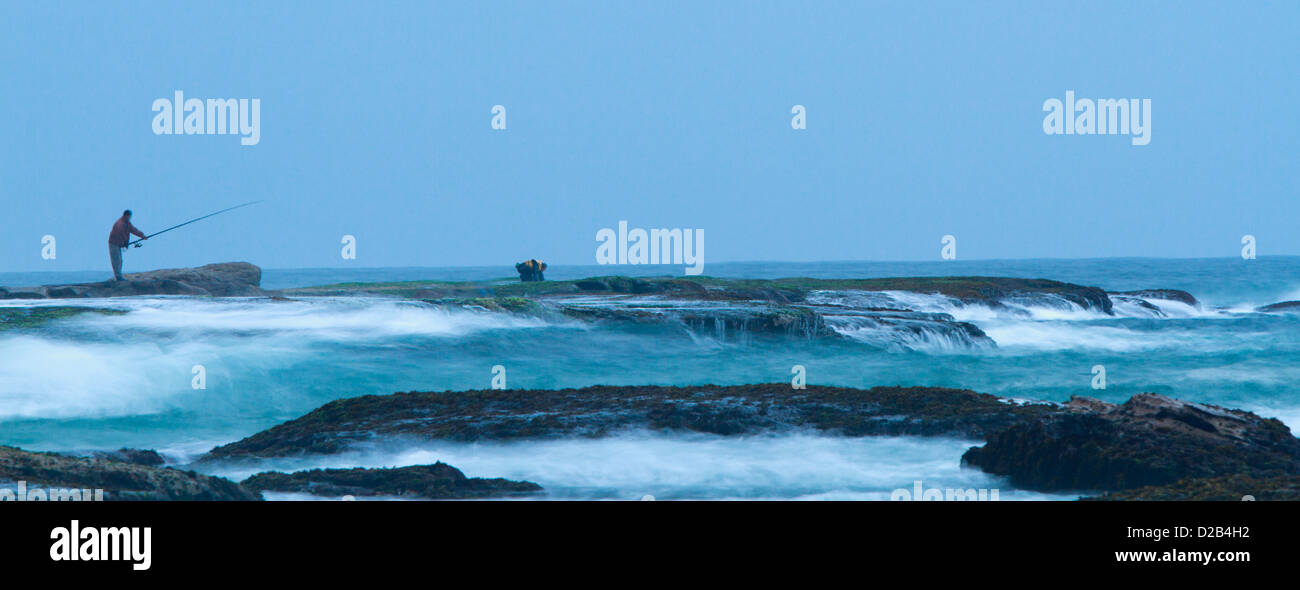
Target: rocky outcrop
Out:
[1151,440]
[603,410]
[990,291]
[439,481]
[229,279]
[1085,444]
[1162,294]
[148,457]
[119,480]
[860,310]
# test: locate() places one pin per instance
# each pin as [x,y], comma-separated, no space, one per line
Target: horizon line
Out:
[666,266]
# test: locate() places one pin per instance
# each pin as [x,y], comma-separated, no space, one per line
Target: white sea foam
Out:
[48,378]
[629,466]
[343,318]
[94,365]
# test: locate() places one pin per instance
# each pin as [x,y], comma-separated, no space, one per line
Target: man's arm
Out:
[138,233]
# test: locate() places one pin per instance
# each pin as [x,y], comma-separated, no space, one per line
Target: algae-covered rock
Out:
[14,318]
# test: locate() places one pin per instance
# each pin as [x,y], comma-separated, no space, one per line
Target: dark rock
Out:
[1163,294]
[63,293]
[119,480]
[738,321]
[1282,306]
[1151,440]
[591,285]
[1228,488]
[33,293]
[34,317]
[984,290]
[148,457]
[439,481]
[603,410]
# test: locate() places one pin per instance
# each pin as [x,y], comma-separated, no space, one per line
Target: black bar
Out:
[769,538]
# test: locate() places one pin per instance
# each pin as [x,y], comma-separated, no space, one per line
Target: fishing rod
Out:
[136,243]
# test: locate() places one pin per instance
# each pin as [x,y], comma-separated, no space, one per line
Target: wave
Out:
[46,378]
[325,318]
[901,333]
[141,363]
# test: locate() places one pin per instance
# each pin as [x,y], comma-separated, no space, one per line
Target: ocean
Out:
[96,382]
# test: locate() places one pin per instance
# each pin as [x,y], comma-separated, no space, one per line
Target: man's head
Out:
[126,214]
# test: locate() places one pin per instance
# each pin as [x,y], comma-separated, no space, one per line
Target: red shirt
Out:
[121,232]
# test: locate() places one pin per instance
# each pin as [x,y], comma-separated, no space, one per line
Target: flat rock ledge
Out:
[227,279]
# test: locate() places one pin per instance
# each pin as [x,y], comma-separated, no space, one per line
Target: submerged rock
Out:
[439,481]
[1151,440]
[605,410]
[34,317]
[119,480]
[228,279]
[1281,306]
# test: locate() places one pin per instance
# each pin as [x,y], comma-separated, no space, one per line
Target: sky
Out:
[923,119]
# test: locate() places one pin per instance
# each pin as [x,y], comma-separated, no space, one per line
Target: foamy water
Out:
[104,382]
[670,467]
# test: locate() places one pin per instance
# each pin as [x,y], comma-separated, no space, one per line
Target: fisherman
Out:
[117,240]
[531,270]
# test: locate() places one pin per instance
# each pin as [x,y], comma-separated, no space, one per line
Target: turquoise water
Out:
[100,382]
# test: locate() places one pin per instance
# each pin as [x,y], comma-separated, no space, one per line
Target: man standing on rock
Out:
[117,240]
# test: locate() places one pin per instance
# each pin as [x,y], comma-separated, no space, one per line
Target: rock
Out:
[1162,294]
[118,479]
[34,317]
[229,279]
[1282,306]
[1151,440]
[29,293]
[148,457]
[439,481]
[602,410]
[736,321]
[1228,488]
[984,290]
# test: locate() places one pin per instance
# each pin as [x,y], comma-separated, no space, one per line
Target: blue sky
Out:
[923,119]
